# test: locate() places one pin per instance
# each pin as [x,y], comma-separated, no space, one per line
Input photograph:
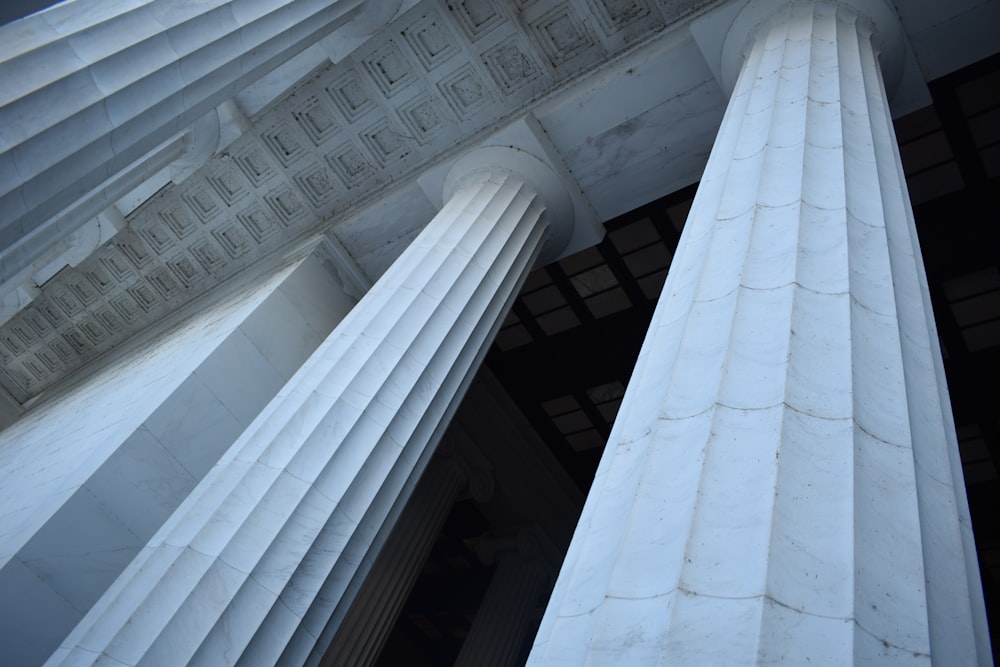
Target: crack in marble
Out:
[880,439]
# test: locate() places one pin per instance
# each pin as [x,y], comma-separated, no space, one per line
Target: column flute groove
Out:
[500,627]
[251,565]
[362,631]
[780,447]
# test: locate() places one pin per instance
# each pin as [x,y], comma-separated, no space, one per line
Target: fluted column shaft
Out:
[502,622]
[279,527]
[782,484]
[361,635]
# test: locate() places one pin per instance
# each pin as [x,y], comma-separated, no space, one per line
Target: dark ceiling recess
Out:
[439,612]
[567,350]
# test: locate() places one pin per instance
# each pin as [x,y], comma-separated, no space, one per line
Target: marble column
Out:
[361,634]
[279,526]
[782,483]
[87,480]
[90,90]
[500,629]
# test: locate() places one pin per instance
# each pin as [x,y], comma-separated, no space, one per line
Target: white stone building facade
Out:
[254,254]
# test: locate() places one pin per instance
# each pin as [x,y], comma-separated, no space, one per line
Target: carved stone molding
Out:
[442,73]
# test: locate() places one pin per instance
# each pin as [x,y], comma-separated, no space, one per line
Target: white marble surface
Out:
[84,529]
[93,438]
[258,344]
[334,47]
[364,618]
[143,482]
[81,103]
[283,350]
[50,454]
[240,377]
[658,142]
[764,498]
[52,450]
[33,640]
[285,516]
[647,132]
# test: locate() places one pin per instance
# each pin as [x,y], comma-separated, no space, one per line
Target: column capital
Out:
[334,454]
[726,35]
[486,162]
[523,147]
[877,17]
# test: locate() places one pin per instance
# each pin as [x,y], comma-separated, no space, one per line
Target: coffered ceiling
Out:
[622,90]
[436,79]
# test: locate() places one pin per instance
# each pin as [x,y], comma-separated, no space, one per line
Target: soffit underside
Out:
[438,76]
[338,155]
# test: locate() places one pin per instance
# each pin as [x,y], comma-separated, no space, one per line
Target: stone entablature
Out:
[436,77]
